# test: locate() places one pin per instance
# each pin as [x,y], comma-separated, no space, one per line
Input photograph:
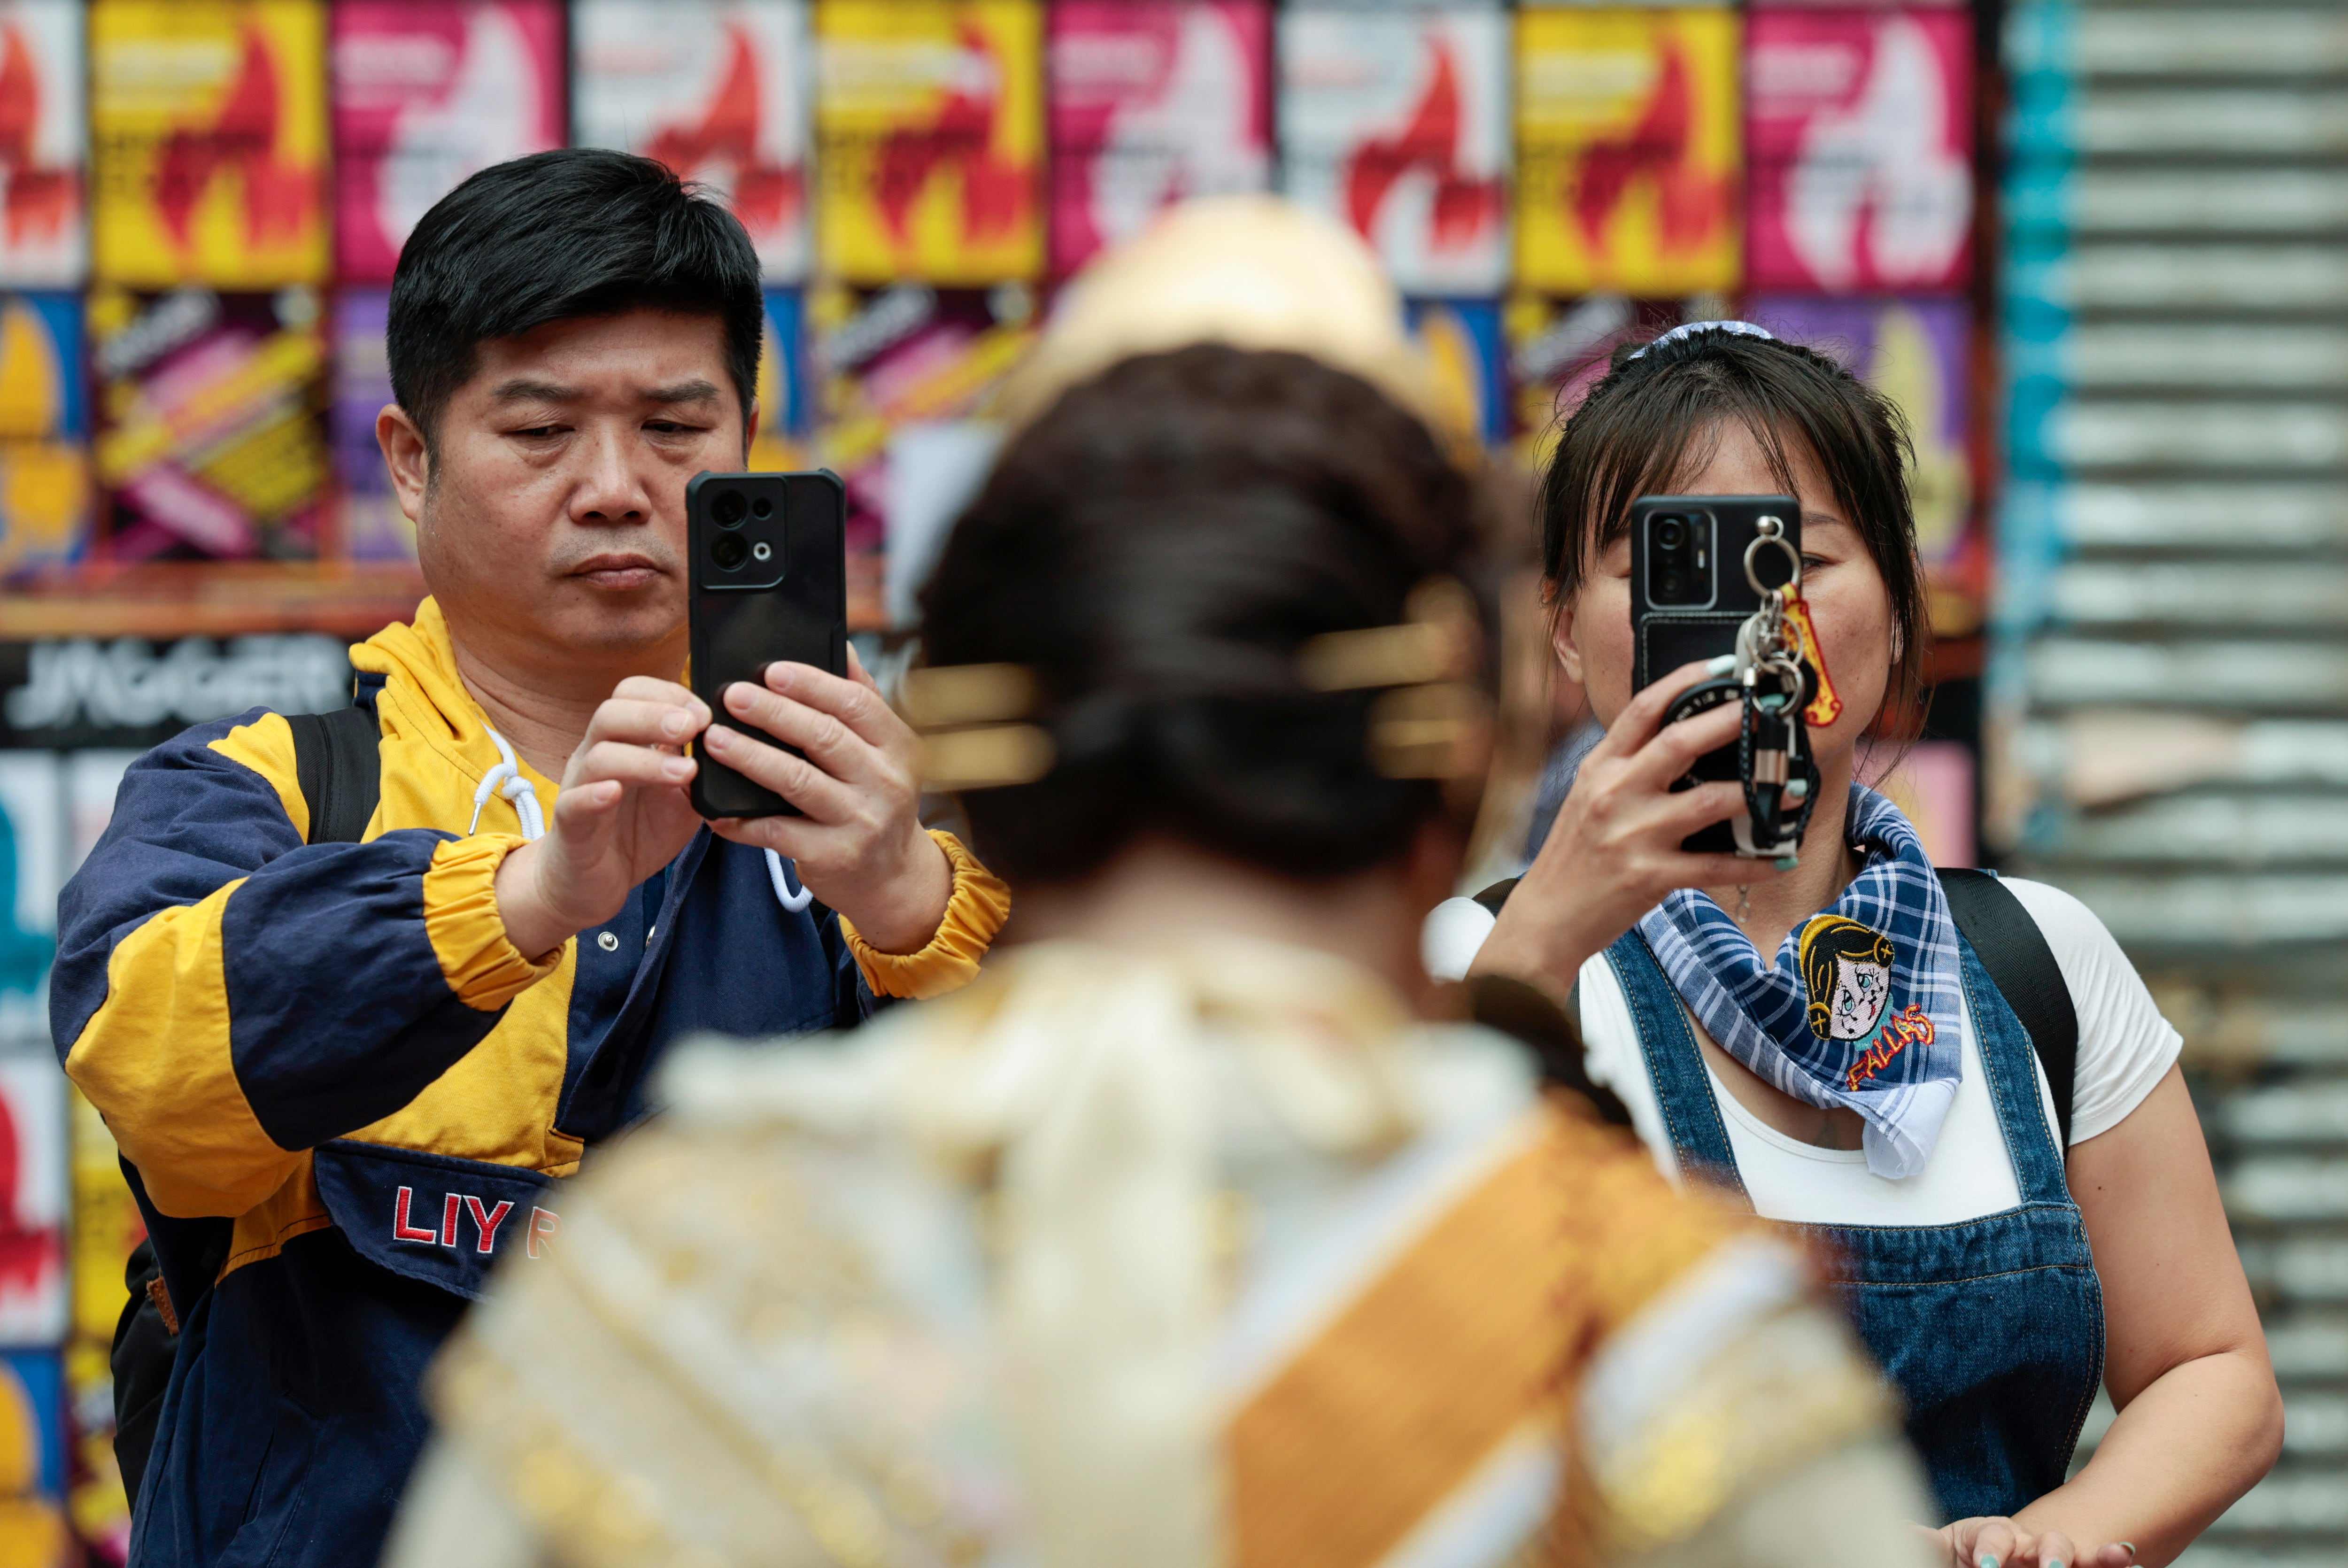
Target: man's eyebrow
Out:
[522,389]
[694,391]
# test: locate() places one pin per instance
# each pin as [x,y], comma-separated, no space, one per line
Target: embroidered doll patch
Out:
[1847,970]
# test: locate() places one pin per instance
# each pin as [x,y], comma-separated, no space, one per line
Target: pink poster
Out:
[1859,134]
[1397,123]
[426,95]
[44,142]
[716,89]
[1151,103]
[32,1198]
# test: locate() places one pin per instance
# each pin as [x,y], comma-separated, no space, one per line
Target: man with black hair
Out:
[348,1078]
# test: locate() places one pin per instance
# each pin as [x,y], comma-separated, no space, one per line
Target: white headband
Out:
[1741,328]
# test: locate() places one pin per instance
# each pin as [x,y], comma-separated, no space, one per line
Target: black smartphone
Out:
[1689,594]
[768,567]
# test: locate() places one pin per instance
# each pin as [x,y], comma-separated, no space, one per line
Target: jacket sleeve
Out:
[229,995]
[975,911]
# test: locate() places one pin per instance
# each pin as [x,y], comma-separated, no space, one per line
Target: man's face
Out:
[551,510]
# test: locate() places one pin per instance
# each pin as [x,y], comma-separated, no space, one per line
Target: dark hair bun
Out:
[1156,547]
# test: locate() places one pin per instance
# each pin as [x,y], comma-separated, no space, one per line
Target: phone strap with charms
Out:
[1776,649]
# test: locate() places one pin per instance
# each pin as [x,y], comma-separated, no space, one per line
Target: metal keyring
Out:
[1772,532]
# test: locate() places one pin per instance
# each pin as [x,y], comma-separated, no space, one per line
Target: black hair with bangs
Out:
[1648,421]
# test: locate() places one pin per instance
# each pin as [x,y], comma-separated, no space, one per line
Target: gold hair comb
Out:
[968,717]
[1431,721]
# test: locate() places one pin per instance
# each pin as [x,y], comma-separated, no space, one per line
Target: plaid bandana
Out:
[1861,1008]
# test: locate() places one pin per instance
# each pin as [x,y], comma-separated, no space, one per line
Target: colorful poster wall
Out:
[33,1284]
[427,93]
[1469,363]
[32,1459]
[1628,147]
[1918,352]
[1859,129]
[44,141]
[1152,102]
[213,443]
[779,442]
[208,129]
[1397,123]
[374,528]
[716,89]
[930,131]
[44,431]
[906,372]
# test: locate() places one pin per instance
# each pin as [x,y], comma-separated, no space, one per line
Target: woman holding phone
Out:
[1865,1080]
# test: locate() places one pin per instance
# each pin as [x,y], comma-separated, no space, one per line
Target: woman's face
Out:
[1848,603]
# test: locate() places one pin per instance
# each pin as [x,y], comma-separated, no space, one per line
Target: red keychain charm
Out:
[1825,707]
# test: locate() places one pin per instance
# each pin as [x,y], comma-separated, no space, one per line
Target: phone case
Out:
[768,569]
[1665,637]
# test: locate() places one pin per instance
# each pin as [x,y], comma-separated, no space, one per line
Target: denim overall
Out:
[1992,1329]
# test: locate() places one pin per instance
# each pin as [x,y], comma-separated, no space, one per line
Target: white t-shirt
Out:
[2126,1047]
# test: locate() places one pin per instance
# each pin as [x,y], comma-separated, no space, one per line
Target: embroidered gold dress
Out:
[1210,1258]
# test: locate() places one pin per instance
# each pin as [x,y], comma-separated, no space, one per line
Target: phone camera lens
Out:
[728,509]
[730,552]
[1669,585]
[1670,533]
[762,509]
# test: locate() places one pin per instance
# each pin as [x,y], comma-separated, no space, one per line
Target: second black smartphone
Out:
[1689,594]
[767,565]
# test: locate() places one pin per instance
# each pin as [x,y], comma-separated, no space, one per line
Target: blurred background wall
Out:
[2098,253]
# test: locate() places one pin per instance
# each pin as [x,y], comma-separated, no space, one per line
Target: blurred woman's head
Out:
[1156,549]
[1723,413]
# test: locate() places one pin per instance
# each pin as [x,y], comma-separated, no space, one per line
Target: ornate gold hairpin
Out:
[967,716]
[1430,721]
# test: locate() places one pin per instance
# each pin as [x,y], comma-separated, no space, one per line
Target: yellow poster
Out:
[1628,152]
[208,143]
[929,137]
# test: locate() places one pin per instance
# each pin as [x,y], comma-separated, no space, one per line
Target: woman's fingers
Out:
[2054,1551]
[1674,750]
[1639,720]
[1989,1543]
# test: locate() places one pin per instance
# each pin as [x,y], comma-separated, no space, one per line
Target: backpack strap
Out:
[2021,967]
[335,762]
[1493,897]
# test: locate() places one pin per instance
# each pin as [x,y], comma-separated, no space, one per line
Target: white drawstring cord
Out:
[515,787]
[794,902]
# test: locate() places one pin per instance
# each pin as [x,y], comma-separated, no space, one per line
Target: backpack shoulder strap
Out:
[335,762]
[2023,967]
[1493,897]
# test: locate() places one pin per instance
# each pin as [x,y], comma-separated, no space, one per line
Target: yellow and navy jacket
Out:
[336,1046]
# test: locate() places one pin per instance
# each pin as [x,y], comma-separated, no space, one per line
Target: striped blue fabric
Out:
[1831,1022]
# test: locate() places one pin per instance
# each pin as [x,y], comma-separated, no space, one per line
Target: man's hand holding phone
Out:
[622,813]
[625,808]
[1615,850]
[859,843]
